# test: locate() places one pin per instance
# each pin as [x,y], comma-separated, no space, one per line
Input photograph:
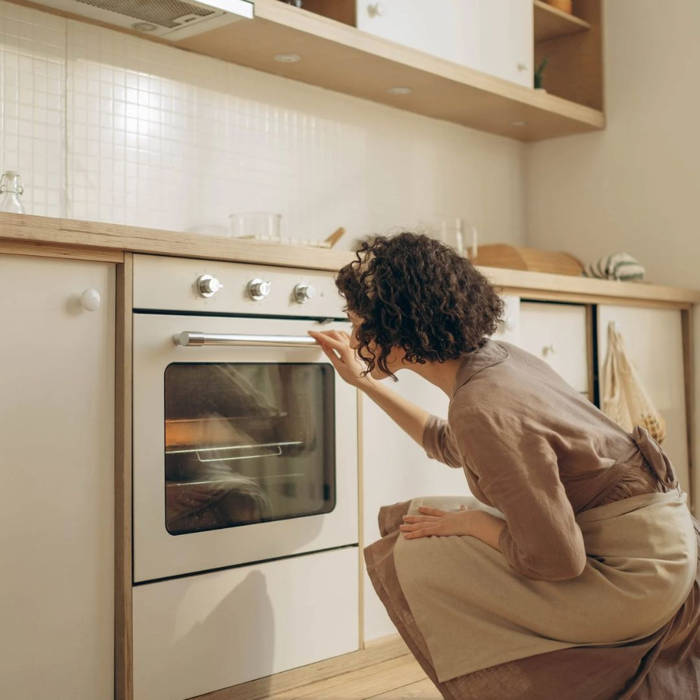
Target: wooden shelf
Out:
[551,23]
[342,58]
[575,61]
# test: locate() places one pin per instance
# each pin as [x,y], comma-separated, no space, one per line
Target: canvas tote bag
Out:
[624,398]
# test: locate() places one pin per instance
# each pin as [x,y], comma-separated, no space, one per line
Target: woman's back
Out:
[503,391]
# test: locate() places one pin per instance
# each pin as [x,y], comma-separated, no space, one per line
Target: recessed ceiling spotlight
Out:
[144,26]
[287,57]
[400,90]
[519,123]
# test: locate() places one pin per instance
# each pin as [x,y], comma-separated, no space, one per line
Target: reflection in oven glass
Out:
[246,443]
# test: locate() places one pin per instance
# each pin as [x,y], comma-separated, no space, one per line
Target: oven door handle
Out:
[191,338]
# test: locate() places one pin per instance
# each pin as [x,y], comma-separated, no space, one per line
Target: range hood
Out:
[168,19]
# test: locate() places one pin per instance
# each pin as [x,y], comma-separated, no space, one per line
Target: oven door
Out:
[245,444]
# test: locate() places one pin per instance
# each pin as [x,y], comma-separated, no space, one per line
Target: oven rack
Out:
[261,477]
[276,451]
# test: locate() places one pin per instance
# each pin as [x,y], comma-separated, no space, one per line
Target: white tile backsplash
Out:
[32,104]
[107,126]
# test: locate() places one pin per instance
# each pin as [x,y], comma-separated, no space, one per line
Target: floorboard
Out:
[384,670]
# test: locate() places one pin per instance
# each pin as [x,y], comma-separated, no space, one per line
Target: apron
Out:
[474,611]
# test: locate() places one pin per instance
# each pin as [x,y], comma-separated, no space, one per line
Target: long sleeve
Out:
[439,442]
[517,471]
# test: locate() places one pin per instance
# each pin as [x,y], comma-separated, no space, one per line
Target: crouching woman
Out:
[571,572]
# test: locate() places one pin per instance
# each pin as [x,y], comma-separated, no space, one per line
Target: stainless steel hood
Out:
[168,19]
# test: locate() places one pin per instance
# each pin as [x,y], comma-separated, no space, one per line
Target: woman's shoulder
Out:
[491,354]
[505,391]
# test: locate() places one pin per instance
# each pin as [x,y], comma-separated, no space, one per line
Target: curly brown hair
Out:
[416,293]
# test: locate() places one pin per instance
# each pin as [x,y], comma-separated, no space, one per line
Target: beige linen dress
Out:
[599,549]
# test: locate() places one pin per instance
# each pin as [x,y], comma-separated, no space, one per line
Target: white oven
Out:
[244,438]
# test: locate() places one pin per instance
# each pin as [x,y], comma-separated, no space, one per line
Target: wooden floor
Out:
[385,670]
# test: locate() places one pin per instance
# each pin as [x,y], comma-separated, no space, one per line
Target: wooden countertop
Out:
[40,235]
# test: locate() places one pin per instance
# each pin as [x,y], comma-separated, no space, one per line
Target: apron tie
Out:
[655,457]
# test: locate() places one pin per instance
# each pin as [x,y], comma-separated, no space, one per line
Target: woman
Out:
[578,576]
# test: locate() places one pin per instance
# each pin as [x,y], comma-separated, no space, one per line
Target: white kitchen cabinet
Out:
[493,36]
[506,44]
[442,28]
[57,496]
[653,339]
[395,468]
[509,327]
[557,334]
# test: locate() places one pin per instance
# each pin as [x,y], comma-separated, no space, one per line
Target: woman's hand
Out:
[336,346]
[440,523]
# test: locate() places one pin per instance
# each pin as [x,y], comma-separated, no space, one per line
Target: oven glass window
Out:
[247,443]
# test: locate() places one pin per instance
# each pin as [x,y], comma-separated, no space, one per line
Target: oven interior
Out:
[247,442]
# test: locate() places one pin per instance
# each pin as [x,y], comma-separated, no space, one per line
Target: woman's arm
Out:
[518,472]
[408,416]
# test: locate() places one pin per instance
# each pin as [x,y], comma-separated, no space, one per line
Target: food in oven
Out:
[241,444]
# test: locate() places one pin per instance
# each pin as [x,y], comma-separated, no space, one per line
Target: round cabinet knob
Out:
[208,285]
[522,66]
[548,350]
[90,300]
[375,9]
[258,289]
[303,292]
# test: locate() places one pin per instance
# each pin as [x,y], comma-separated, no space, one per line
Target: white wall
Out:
[634,186]
[106,126]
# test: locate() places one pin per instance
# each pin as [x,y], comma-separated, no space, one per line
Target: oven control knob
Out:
[258,289]
[303,292]
[208,285]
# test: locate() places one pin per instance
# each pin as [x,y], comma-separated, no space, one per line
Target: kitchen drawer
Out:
[196,634]
[557,333]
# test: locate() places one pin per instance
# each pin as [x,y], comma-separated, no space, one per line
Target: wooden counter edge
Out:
[59,236]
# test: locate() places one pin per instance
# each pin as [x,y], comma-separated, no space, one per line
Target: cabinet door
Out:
[506,39]
[493,36]
[395,468]
[557,333]
[57,497]
[442,28]
[654,342]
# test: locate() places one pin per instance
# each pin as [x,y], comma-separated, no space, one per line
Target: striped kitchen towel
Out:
[616,266]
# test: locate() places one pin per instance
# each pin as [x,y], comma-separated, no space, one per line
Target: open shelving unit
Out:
[573,46]
[337,56]
[551,23]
